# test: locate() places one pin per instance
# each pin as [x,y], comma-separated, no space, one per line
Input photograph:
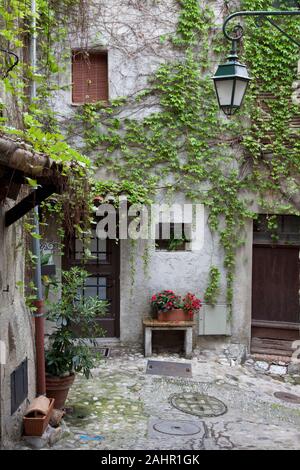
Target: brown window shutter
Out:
[89,77]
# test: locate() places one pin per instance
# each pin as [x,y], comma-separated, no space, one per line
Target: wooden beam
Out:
[18,157]
[10,182]
[28,203]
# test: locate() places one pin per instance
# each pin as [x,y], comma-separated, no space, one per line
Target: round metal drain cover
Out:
[198,404]
[288,397]
[177,428]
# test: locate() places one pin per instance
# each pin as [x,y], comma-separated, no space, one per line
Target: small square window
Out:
[173,237]
[95,286]
[97,247]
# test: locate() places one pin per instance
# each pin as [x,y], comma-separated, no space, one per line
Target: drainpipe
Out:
[36,248]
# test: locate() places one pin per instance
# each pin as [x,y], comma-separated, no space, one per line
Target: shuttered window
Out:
[89,77]
[19,386]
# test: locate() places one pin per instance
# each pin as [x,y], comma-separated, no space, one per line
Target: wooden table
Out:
[186,326]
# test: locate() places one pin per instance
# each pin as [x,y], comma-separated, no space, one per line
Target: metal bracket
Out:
[238,31]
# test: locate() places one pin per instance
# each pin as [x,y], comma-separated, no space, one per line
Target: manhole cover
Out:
[177,428]
[198,404]
[288,397]
[172,369]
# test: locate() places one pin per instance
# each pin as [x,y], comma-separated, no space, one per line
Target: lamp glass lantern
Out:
[231,82]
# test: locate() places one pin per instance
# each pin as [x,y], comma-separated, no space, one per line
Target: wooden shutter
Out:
[89,77]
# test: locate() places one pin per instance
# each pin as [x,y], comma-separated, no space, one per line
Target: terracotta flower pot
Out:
[58,388]
[177,314]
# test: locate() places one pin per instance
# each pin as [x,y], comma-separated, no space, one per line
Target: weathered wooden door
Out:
[276,283]
[275,299]
[104,276]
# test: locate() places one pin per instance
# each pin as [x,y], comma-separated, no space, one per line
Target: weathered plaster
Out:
[185,272]
[16,330]
[130,31]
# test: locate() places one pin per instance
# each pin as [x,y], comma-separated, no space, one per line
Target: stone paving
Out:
[118,407]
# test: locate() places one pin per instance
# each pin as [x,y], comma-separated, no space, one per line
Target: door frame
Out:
[272,329]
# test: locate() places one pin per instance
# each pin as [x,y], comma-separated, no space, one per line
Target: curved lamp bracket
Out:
[238,31]
[16,61]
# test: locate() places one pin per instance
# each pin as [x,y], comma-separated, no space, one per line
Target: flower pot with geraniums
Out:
[75,318]
[171,307]
[191,305]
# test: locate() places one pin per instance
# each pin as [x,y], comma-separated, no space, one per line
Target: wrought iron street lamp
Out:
[231,83]
[232,78]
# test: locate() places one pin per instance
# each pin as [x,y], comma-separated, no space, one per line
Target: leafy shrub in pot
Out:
[75,318]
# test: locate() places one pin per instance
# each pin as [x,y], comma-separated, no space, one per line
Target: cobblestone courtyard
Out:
[118,407]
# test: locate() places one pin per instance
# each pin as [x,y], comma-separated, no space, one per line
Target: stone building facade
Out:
[129,34]
[124,41]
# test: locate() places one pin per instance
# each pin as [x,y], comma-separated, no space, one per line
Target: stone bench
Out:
[186,326]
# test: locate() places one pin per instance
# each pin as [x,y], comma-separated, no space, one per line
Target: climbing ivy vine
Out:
[272,144]
[36,122]
[185,145]
[188,147]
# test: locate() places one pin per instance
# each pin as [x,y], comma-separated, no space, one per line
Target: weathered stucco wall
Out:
[130,32]
[185,272]
[16,332]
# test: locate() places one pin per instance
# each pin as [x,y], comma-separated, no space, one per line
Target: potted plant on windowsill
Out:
[171,307]
[75,318]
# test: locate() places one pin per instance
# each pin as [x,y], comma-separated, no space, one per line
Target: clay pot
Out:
[177,314]
[37,416]
[58,388]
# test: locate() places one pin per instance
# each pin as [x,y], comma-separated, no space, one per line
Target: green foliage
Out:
[192,22]
[136,194]
[29,294]
[181,148]
[75,317]
[52,144]
[176,243]
[273,61]
[272,226]
[185,146]
[36,122]
[213,288]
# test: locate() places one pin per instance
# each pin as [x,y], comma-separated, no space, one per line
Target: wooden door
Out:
[275,284]
[104,276]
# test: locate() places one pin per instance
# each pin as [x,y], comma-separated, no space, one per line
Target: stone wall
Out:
[16,328]
[183,272]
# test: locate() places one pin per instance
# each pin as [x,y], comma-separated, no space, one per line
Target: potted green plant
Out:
[75,318]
